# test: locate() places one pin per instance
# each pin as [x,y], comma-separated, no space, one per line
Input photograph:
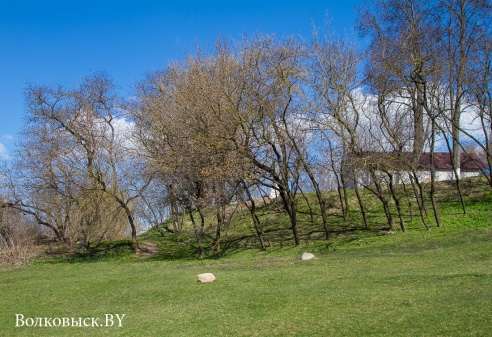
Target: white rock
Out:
[206,277]
[307,256]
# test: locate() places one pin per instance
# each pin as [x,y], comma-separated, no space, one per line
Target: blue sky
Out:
[60,42]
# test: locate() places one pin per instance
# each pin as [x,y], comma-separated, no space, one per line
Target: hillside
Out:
[362,282]
[238,236]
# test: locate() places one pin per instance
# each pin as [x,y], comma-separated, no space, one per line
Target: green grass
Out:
[362,283]
[406,284]
[239,235]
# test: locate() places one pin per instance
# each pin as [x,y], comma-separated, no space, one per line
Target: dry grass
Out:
[18,238]
[16,249]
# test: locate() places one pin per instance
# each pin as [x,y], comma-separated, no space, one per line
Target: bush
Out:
[18,237]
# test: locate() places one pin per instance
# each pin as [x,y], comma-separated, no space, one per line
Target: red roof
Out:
[402,160]
[442,161]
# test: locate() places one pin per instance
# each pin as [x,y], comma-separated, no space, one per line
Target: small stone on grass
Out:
[307,256]
[206,277]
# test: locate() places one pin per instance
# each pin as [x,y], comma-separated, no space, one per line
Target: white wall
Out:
[364,178]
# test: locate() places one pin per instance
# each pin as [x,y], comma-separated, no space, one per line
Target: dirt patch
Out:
[147,250]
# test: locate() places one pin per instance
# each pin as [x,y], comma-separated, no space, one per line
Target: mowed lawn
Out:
[410,284]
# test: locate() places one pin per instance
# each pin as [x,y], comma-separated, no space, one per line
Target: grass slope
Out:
[362,283]
[411,287]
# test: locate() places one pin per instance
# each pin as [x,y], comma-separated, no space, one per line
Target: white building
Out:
[398,165]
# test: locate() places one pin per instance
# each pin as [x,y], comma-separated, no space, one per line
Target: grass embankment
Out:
[418,283]
[239,234]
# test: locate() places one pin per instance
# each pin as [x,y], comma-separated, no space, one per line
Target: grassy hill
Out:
[363,282]
[239,237]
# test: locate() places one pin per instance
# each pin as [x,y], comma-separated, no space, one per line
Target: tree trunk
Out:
[290,206]
[345,207]
[433,174]
[418,193]
[397,202]
[418,121]
[198,231]
[359,200]
[256,220]
[220,225]
[456,174]
[409,202]
[382,198]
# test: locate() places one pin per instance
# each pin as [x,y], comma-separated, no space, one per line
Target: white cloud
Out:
[122,125]
[3,152]
[8,137]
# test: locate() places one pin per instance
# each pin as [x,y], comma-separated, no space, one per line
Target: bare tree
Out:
[334,80]
[464,30]
[76,167]
[186,133]
[401,52]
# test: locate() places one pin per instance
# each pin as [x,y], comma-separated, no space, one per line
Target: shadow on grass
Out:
[105,251]
[161,245]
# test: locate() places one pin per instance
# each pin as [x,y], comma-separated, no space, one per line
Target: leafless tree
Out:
[401,53]
[334,80]
[74,171]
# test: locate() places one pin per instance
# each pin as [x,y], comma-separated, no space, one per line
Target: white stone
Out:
[307,256]
[206,277]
